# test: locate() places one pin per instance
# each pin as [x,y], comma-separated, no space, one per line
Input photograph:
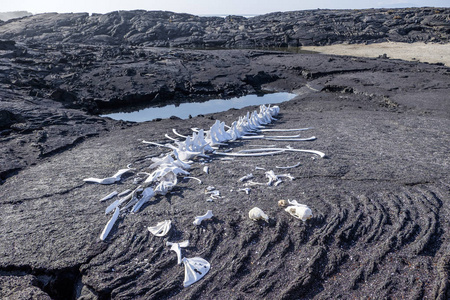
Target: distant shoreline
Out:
[419,51]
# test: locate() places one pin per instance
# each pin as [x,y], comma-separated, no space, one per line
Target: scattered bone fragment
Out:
[198,220]
[289,167]
[191,177]
[109,196]
[177,248]
[256,214]
[246,190]
[206,169]
[282,203]
[252,183]
[161,229]
[273,178]
[214,194]
[276,179]
[194,269]
[301,212]
[110,224]
[246,177]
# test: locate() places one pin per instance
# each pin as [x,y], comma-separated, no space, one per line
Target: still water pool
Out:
[199,108]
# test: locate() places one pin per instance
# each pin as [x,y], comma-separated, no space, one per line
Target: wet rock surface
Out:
[280,29]
[380,198]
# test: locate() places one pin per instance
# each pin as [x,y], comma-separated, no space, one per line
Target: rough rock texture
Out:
[280,29]
[5,16]
[380,199]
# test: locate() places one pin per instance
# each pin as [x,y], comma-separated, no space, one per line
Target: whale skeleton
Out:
[202,143]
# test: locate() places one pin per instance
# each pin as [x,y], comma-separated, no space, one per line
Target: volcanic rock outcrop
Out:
[280,29]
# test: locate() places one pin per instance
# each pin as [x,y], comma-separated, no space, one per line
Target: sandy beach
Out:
[423,52]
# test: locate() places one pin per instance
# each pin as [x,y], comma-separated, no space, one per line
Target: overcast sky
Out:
[201,7]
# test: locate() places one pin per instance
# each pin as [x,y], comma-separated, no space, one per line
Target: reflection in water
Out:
[196,108]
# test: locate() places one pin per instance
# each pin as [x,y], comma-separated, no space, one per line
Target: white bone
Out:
[246,190]
[283,136]
[108,180]
[166,160]
[147,194]
[253,137]
[176,132]
[249,154]
[161,229]
[288,148]
[252,183]
[271,146]
[295,203]
[287,176]
[285,130]
[110,224]
[109,196]
[191,177]
[116,204]
[289,167]
[126,192]
[171,138]
[206,169]
[300,212]
[179,163]
[215,194]
[119,173]
[194,269]
[259,150]
[155,144]
[177,248]
[256,214]
[292,140]
[208,215]
[246,177]
[272,177]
